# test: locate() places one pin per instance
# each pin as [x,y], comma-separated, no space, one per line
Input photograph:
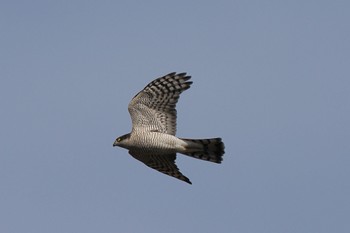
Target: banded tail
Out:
[211,149]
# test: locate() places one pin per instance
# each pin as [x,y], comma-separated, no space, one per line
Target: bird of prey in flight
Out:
[152,139]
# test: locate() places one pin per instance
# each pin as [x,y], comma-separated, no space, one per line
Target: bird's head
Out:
[122,141]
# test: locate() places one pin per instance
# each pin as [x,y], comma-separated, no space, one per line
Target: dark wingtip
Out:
[182,74]
[188,181]
[171,74]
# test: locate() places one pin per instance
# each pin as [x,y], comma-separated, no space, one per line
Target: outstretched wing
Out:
[153,108]
[162,163]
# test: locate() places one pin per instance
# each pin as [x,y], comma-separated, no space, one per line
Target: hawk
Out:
[152,139]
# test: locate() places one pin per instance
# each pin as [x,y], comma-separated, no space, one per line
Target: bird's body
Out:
[152,139]
[150,143]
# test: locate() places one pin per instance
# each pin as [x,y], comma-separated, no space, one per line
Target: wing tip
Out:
[182,75]
[184,178]
[188,181]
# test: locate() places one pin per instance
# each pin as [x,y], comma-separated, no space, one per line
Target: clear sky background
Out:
[270,77]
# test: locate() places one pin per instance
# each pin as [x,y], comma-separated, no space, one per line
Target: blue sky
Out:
[270,77]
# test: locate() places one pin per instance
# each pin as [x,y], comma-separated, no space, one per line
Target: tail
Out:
[206,149]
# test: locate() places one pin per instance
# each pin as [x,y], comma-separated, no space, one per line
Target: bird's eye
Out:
[119,139]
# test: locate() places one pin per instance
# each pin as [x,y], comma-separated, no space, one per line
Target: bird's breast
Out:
[154,142]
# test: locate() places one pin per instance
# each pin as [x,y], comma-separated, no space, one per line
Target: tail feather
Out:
[211,149]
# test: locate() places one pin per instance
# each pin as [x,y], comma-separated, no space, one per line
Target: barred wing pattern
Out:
[153,108]
[162,163]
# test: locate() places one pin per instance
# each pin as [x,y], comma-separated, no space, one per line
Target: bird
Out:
[152,138]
